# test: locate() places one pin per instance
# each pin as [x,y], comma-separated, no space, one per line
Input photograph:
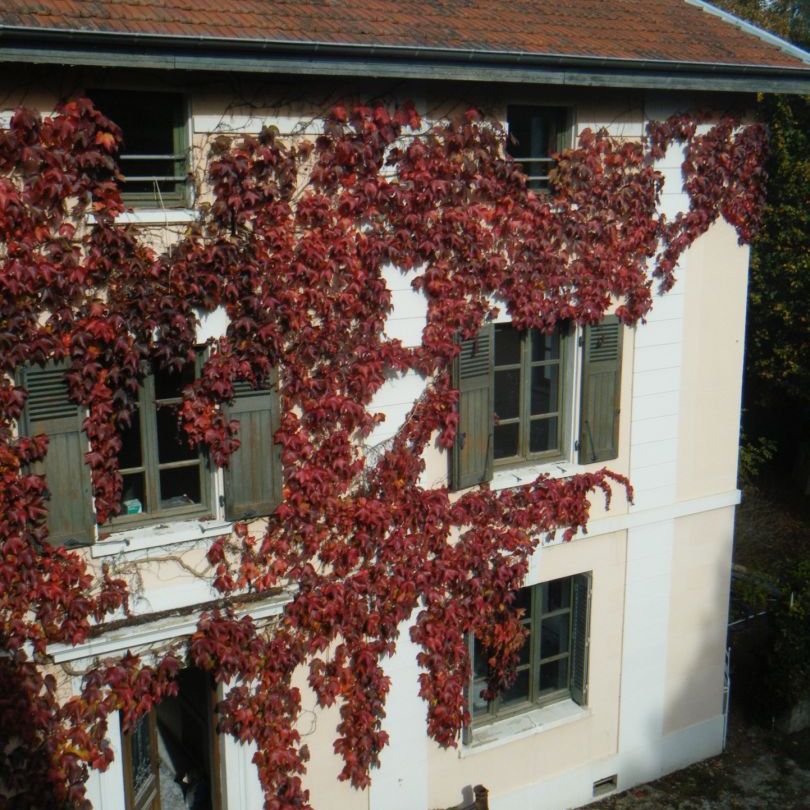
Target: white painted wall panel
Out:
[664,403]
[654,358]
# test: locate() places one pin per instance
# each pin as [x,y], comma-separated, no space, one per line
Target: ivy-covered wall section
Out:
[293,247]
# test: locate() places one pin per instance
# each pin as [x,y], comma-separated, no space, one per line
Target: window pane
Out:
[130,455]
[556,595]
[545,388]
[507,393]
[172,445]
[554,676]
[523,599]
[523,655]
[545,347]
[518,692]
[479,705]
[507,344]
[554,635]
[543,435]
[179,487]
[169,384]
[506,440]
[141,753]
[479,662]
[133,500]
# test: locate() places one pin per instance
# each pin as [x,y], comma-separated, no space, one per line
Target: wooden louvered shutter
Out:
[601,390]
[49,410]
[253,474]
[580,637]
[473,454]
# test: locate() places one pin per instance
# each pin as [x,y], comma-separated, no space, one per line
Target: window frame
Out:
[151,466]
[179,195]
[495,711]
[566,406]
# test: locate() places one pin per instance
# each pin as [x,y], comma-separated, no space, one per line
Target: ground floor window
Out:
[553,660]
[171,757]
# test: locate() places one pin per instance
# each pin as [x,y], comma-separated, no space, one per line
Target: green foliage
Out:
[754,454]
[778,347]
[789,19]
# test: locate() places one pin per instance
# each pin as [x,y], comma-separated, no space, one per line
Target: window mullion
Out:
[525,393]
[150,441]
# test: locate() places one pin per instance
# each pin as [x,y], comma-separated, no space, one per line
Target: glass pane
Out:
[554,676]
[543,435]
[545,388]
[172,445]
[506,440]
[130,455]
[507,393]
[556,595]
[545,347]
[170,384]
[507,344]
[180,487]
[554,635]
[518,692]
[141,753]
[479,705]
[133,500]
[523,655]
[479,662]
[523,599]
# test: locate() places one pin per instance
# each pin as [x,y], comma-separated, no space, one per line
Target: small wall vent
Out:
[606,785]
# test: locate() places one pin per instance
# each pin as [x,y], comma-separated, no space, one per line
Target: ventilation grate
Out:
[604,342]
[48,396]
[474,356]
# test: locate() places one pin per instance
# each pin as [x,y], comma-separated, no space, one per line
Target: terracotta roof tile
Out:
[667,30]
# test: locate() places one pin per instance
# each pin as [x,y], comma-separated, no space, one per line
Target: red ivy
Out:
[294,248]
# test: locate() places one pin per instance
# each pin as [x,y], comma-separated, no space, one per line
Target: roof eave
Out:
[153,51]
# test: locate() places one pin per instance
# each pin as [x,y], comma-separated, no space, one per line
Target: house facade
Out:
[623,677]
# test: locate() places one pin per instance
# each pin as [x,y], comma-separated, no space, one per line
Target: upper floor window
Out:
[154,154]
[531,383]
[519,395]
[535,134]
[553,661]
[163,478]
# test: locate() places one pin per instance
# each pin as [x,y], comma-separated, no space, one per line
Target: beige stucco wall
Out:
[520,762]
[701,566]
[713,341]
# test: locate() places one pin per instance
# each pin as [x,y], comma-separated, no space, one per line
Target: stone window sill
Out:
[161,534]
[523,725]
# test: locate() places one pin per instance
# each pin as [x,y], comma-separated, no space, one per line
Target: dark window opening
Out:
[535,134]
[171,757]
[153,157]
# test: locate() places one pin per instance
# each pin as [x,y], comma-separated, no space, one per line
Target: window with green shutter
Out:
[163,478]
[521,402]
[553,662]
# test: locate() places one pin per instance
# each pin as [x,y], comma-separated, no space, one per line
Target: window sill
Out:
[518,476]
[523,725]
[161,534]
[155,216]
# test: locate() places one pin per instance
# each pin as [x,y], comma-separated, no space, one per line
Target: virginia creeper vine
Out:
[293,247]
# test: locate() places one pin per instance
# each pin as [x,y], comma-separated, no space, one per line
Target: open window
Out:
[163,478]
[535,134]
[154,154]
[171,756]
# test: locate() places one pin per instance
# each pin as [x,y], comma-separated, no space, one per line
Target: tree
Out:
[777,367]
[293,247]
